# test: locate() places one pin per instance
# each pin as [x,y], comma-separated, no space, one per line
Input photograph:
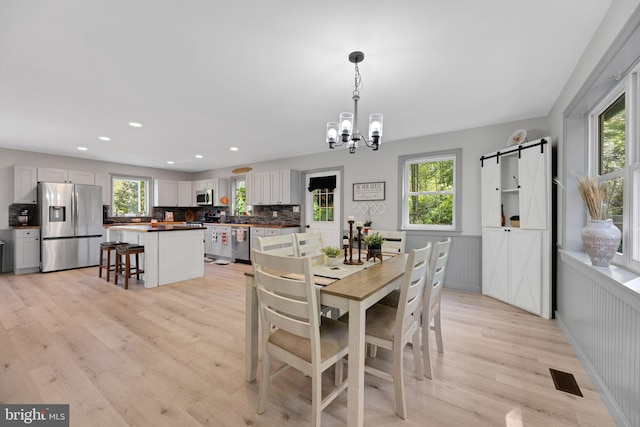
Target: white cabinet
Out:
[26,250]
[280,187]
[25,184]
[165,192]
[259,192]
[218,242]
[104,180]
[63,175]
[185,193]
[512,266]
[516,261]
[285,187]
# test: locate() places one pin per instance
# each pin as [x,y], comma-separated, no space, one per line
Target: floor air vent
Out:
[565,381]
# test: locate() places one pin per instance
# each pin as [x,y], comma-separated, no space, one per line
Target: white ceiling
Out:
[265,76]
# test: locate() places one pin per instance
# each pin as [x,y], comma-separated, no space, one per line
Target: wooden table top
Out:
[362,284]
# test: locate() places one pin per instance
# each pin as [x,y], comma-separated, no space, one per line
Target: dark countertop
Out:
[159,227]
[24,226]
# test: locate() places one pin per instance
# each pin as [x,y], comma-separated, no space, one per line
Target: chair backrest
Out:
[411,289]
[277,245]
[288,303]
[394,241]
[432,293]
[309,244]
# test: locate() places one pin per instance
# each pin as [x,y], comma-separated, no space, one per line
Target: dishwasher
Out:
[240,243]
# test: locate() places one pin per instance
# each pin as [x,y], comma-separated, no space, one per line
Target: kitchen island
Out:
[171,252]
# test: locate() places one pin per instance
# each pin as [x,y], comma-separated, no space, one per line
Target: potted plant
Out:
[367,226]
[373,241]
[332,254]
[600,236]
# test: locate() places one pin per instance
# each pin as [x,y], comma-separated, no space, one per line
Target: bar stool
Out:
[124,268]
[107,247]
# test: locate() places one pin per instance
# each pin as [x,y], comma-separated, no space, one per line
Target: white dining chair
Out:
[292,329]
[393,327]
[432,301]
[309,244]
[277,245]
[394,241]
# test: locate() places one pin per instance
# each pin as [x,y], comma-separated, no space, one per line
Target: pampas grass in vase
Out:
[593,194]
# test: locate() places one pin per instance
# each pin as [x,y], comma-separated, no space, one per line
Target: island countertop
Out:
[159,227]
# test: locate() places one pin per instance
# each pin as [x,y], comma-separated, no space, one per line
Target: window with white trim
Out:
[129,195]
[429,191]
[614,161]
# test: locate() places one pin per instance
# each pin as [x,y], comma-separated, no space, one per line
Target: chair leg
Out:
[316,398]
[100,265]
[426,351]
[108,263]
[398,379]
[118,267]
[438,329]
[137,267]
[417,357]
[127,269]
[264,383]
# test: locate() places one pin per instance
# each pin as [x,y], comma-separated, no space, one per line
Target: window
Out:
[129,195]
[323,205]
[429,182]
[239,191]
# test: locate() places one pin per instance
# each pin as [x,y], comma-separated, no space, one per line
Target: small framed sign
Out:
[367,191]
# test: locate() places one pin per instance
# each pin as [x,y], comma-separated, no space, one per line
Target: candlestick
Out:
[350,218]
[359,224]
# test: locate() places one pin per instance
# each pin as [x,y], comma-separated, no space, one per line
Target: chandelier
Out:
[347,129]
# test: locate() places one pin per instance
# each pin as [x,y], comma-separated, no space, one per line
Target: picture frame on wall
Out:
[368,191]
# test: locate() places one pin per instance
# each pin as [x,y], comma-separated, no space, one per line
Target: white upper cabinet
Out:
[219,187]
[64,175]
[280,187]
[104,181]
[165,193]
[185,193]
[25,182]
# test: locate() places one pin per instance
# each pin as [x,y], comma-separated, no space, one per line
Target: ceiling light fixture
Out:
[104,138]
[234,148]
[347,130]
[199,156]
[170,162]
[83,148]
[135,125]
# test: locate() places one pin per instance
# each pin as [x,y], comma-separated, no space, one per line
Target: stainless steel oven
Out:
[204,197]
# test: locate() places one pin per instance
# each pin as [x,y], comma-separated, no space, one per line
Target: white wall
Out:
[367,165]
[8,158]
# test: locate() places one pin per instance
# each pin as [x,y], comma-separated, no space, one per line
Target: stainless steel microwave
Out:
[204,197]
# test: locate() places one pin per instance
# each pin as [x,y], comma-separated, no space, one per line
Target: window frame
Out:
[404,163]
[147,207]
[630,256]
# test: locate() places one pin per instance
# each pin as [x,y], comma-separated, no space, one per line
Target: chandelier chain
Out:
[357,82]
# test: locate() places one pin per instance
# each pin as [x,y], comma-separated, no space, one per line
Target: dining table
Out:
[348,288]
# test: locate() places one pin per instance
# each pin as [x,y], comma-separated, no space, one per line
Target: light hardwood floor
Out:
[174,356]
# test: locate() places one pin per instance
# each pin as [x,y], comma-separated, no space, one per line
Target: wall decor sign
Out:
[365,191]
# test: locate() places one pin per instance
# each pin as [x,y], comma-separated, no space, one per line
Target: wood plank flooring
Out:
[174,356]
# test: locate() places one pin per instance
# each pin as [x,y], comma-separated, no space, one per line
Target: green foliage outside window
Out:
[129,196]
[241,201]
[431,192]
[612,146]
[323,205]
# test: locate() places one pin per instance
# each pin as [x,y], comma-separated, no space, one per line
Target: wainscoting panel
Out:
[602,322]
[464,266]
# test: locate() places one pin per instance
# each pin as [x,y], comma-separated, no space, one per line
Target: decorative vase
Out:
[601,240]
[332,261]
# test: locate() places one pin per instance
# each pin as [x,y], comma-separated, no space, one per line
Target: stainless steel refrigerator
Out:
[71,225]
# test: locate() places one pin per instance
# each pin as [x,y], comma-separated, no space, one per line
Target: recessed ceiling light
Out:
[135,125]
[199,156]
[170,162]
[234,148]
[83,148]
[104,138]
